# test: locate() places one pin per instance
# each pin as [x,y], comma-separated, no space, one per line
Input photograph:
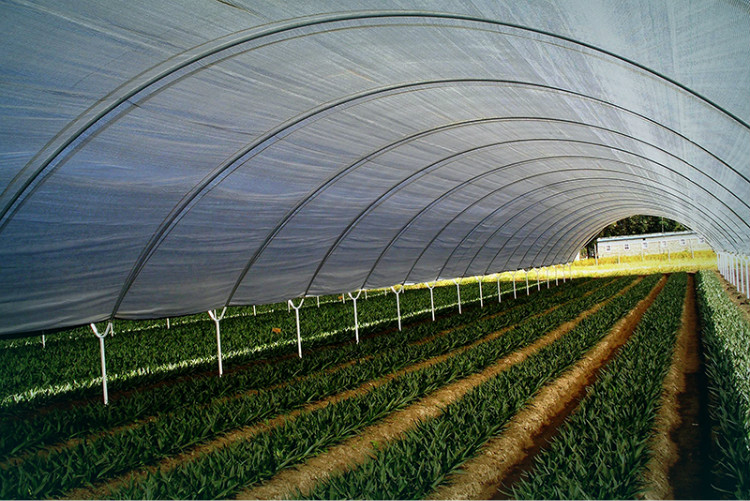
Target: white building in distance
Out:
[651,243]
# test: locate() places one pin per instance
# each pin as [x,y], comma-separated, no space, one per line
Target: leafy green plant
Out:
[727,354]
[187,426]
[601,451]
[414,466]
[259,458]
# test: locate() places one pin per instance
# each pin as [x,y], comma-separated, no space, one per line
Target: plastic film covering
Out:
[164,158]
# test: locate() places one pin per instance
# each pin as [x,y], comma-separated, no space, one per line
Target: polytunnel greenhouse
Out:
[164,159]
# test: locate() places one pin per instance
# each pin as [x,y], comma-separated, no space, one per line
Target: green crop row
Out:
[601,451]
[31,376]
[414,466]
[175,431]
[726,341]
[62,424]
[262,456]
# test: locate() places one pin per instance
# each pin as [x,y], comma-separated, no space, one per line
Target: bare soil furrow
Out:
[359,449]
[505,458]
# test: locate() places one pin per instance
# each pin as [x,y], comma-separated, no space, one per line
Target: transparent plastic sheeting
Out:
[164,158]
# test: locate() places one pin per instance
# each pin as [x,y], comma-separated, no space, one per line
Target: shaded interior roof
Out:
[163,158]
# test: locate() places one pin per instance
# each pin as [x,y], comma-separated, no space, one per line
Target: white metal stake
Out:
[296,315]
[513,277]
[527,281]
[356,322]
[217,319]
[432,299]
[108,330]
[318,298]
[556,281]
[254,311]
[538,286]
[458,293]
[167,322]
[398,303]
[546,275]
[747,275]
[481,299]
[44,342]
[499,292]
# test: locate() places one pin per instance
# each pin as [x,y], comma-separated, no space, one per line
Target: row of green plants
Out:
[172,432]
[411,468]
[60,424]
[32,376]
[602,449]
[726,344]
[260,457]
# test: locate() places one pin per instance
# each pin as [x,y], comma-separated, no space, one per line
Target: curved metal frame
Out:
[207,181]
[514,200]
[418,174]
[391,146]
[563,249]
[159,73]
[494,212]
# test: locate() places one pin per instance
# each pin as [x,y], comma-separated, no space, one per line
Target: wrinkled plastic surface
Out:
[164,158]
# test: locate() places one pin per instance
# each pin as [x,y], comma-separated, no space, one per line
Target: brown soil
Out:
[737,298]
[118,395]
[680,467]
[104,489]
[505,458]
[359,449]
[46,451]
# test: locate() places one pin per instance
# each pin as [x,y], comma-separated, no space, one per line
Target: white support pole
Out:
[546,275]
[167,323]
[365,293]
[538,286]
[747,276]
[481,299]
[356,321]
[343,297]
[109,330]
[44,341]
[254,311]
[398,303]
[432,299]
[458,292]
[318,298]
[499,292]
[296,316]
[527,281]
[217,320]
[556,281]
[513,277]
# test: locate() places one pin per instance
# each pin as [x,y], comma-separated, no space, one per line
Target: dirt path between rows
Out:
[104,489]
[680,467]
[359,449]
[505,458]
[52,448]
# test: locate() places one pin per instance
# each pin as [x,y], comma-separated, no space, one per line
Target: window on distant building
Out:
[663,243]
[627,247]
[645,244]
[682,241]
[607,248]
